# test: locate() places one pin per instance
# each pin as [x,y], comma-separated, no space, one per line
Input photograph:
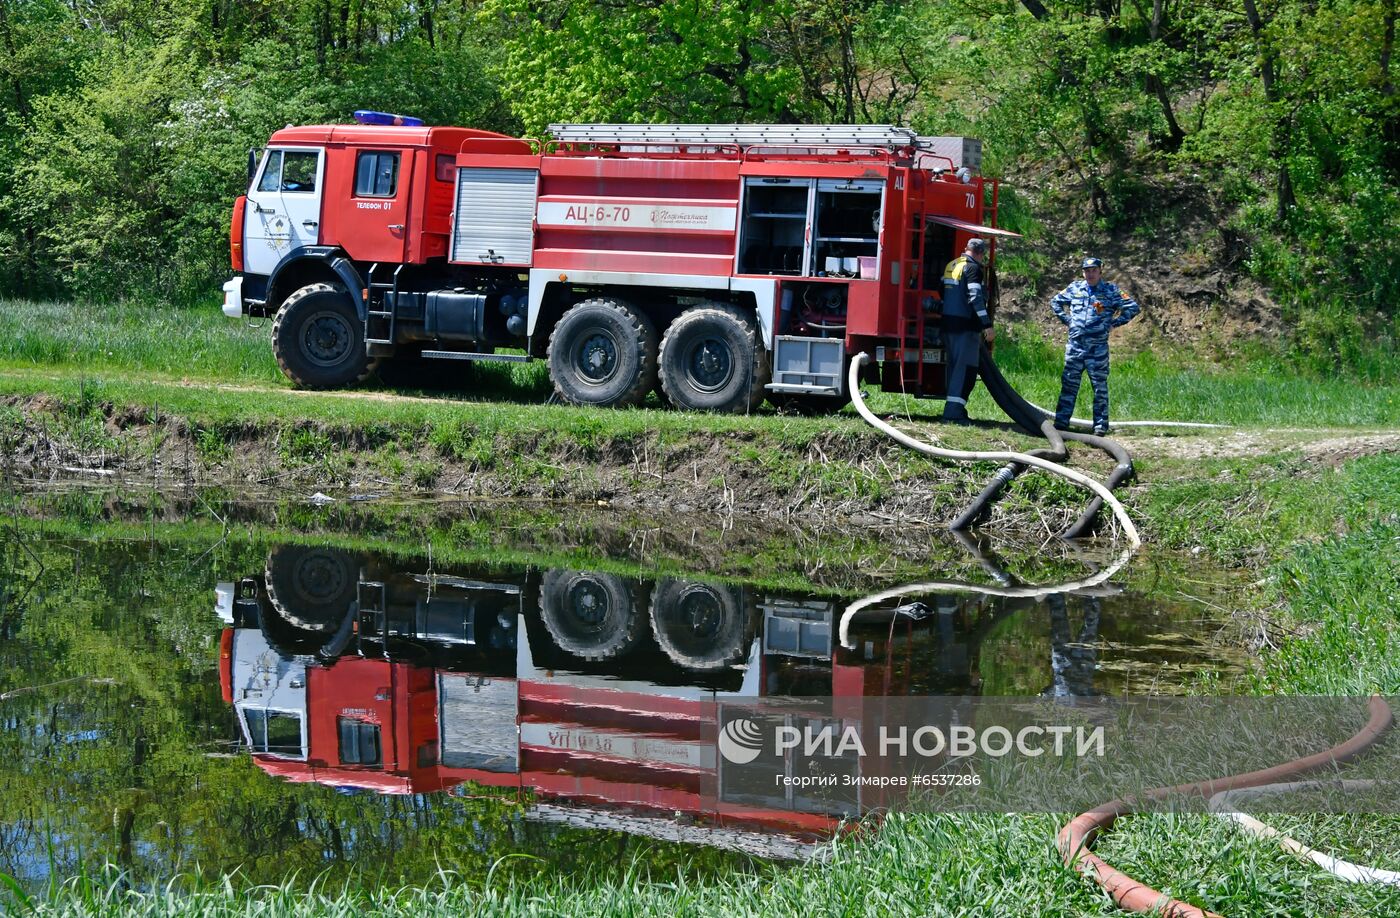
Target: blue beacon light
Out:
[387,119]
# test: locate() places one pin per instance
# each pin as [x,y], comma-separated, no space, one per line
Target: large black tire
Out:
[603,353]
[711,360]
[311,587]
[701,626]
[593,616]
[319,340]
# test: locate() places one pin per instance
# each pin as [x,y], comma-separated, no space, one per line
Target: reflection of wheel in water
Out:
[699,625]
[311,587]
[592,616]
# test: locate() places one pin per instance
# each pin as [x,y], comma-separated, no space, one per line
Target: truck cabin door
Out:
[284,206]
[374,226]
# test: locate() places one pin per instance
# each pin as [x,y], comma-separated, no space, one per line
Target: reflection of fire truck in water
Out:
[596,692]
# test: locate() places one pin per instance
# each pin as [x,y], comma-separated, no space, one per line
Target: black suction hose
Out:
[983,501]
[1121,473]
[1025,415]
[1035,421]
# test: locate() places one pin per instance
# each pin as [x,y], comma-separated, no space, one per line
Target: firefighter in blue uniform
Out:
[1090,307]
[965,317]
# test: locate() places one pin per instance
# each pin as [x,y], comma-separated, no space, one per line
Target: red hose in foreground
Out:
[1077,835]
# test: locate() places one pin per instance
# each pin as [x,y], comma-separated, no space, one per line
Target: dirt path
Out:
[1327,444]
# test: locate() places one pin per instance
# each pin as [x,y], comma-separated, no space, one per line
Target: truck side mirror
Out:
[252,164]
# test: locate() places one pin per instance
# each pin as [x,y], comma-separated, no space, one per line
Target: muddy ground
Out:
[1180,261]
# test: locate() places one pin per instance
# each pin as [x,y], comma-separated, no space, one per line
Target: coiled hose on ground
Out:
[1038,422]
[1079,833]
[1022,416]
[1032,418]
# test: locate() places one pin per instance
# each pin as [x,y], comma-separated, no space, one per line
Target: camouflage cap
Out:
[1091,262]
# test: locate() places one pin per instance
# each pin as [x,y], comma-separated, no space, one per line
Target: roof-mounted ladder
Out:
[742,135]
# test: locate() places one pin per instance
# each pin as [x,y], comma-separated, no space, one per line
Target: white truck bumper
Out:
[233,298]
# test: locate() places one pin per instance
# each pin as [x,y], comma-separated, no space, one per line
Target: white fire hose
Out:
[963,455]
[960,455]
[1225,804]
[1086,424]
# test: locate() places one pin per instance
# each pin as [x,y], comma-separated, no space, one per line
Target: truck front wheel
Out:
[603,352]
[311,587]
[711,360]
[319,340]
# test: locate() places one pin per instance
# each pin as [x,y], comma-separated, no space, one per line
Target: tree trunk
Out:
[1390,104]
[1268,75]
[1175,135]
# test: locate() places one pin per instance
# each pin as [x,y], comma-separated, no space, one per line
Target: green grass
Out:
[133,341]
[153,338]
[1340,595]
[975,866]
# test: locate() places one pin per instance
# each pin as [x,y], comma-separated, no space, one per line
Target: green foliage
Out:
[125,127]
[125,124]
[727,60]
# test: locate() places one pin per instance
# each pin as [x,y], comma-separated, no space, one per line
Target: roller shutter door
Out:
[495,215]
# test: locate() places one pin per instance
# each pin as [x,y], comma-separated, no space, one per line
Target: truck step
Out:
[379,340]
[465,355]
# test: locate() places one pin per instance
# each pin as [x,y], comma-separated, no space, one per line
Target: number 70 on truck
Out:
[717,265]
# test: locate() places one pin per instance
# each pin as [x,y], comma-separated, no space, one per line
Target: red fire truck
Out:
[718,264]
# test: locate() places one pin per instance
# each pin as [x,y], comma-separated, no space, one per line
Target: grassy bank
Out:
[189,396]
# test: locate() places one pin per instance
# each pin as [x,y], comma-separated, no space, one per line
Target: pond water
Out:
[290,710]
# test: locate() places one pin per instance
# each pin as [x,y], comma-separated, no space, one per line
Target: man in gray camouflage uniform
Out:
[1090,307]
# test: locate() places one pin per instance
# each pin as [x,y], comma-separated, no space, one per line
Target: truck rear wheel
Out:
[593,616]
[603,352]
[711,360]
[319,340]
[701,626]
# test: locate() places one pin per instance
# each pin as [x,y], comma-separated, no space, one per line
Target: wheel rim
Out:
[700,613]
[596,357]
[709,364]
[588,604]
[318,578]
[326,339]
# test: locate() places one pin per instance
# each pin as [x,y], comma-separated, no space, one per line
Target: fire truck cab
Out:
[718,264]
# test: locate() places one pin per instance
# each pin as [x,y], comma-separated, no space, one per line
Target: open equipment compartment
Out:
[774,237]
[847,227]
